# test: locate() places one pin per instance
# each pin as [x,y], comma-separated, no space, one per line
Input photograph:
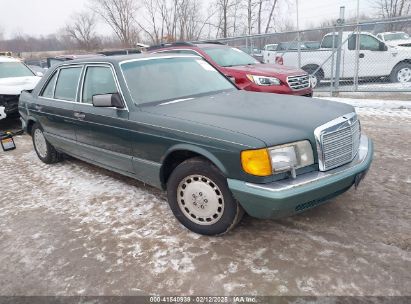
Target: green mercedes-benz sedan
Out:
[174,122]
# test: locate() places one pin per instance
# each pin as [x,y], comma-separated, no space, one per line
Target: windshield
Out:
[14,69]
[227,57]
[165,79]
[396,36]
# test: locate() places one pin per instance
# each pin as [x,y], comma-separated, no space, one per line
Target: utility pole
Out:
[340,25]
[298,38]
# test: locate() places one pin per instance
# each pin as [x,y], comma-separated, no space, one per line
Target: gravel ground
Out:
[75,229]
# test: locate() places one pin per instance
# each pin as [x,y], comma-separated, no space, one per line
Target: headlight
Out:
[284,158]
[292,156]
[263,80]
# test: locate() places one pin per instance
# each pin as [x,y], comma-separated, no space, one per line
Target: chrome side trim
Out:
[312,177]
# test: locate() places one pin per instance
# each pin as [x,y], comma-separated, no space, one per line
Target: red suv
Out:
[247,73]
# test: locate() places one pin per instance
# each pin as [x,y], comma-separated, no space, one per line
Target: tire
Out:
[200,199]
[45,151]
[401,73]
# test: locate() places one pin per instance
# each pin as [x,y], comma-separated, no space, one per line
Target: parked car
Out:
[376,59]
[15,77]
[247,73]
[176,123]
[395,38]
[61,58]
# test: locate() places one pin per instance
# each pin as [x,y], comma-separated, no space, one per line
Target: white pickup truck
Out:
[376,59]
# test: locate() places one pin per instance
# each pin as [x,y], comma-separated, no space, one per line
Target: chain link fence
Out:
[367,56]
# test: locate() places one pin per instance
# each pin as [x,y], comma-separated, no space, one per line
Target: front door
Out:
[101,133]
[372,61]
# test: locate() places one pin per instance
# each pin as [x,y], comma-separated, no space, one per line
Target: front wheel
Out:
[45,151]
[200,199]
[401,73]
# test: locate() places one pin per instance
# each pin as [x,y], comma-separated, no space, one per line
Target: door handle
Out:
[79,115]
[362,55]
[38,107]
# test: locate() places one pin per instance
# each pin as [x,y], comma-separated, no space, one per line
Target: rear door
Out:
[102,133]
[54,106]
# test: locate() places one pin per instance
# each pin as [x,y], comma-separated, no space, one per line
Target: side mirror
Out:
[108,101]
[40,74]
[383,47]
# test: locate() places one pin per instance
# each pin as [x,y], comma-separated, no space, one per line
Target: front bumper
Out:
[290,196]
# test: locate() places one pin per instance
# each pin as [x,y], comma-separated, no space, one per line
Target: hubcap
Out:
[40,143]
[404,75]
[200,199]
[313,80]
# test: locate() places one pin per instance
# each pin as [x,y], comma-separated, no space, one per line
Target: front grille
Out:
[338,141]
[298,82]
[405,44]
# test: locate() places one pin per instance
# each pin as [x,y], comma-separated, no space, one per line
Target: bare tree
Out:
[393,8]
[82,30]
[120,16]
[224,9]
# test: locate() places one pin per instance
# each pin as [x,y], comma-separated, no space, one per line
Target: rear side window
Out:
[67,84]
[99,80]
[327,42]
[48,91]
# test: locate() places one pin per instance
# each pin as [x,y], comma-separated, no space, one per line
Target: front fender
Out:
[196,149]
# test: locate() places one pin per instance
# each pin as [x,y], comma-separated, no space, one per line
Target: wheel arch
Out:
[313,67]
[30,123]
[400,62]
[180,153]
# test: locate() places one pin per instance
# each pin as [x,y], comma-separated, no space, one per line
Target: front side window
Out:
[48,91]
[367,43]
[227,56]
[14,69]
[164,79]
[67,84]
[99,80]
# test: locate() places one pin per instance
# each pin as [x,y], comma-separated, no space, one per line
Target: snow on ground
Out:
[377,107]
[75,229]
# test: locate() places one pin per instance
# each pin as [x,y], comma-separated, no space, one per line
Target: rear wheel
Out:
[45,151]
[200,199]
[401,73]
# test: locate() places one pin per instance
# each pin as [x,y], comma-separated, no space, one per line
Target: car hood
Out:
[271,118]
[14,85]
[268,70]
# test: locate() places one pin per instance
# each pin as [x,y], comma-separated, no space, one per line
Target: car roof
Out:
[210,45]
[8,59]
[122,58]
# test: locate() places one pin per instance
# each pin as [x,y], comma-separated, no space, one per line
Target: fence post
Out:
[340,23]
[357,58]
[332,65]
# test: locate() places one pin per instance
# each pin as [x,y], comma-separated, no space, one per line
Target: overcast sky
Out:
[43,17]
